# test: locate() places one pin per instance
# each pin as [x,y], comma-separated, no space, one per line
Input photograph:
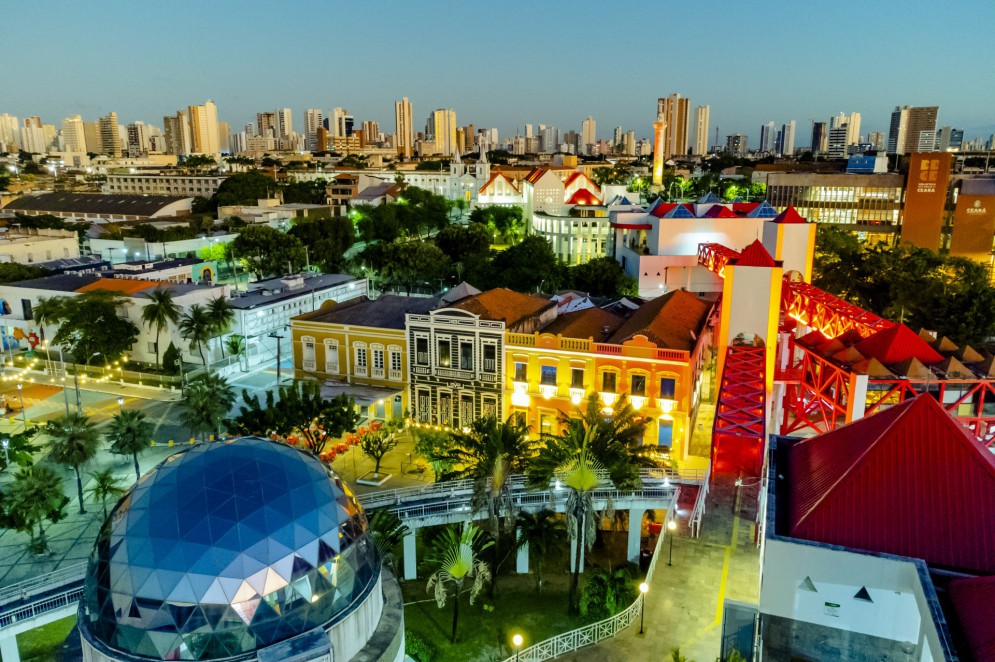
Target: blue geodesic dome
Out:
[226,548]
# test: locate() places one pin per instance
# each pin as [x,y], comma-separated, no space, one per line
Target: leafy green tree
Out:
[159,313]
[311,193]
[268,251]
[105,486]
[20,450]
[594,448]
[378,223]
[197,327]
[89,325]
[462,243]
[34,498]
[387,531]
[376,444]
[619,173]
[11,272]
[542,532]
[506,222]
[199,162]
[205,407]
[606,593]
[172,361]
[73,441]
[439,165]
[528,266]
[456,555]
[130,433]
[301,409]
[603,276]
[327,240]
[222,316]
[245,188]
[489,454]
[235,344]
[432,445]
[408,264]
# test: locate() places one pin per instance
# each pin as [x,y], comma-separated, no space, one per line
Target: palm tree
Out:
[488,455]
[456,553]
[543,533]
[159,313]
[208,400]
[34,497]
[130,433]
[73,442]
[105,486]
[222,316]
[597,447]
[235,345]
[197,327]
[387,531]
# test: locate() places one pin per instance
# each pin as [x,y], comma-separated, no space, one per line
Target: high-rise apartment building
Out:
[674,111]
[849,122]
[404,139]
[139,143]
[371,132]
[177,130]
[10,133]
[737,144]
[629,143]
[767,135]
[110,135]
[442,124]
[284,123]
[701,116]
[837,142]
[73,134]
[876,140]
[784,142]
[33,136]
[312,122]
[224,137]
[588,135]
[907,125]
[266,122]
[204,129]
[820,138]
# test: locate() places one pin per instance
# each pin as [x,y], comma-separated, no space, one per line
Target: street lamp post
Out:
[6,455]
[643,589]
[517,641]
[278,339]
[24,416]
[671,527]
[120,404]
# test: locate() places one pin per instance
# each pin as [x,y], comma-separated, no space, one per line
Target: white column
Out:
[635,534]
[410,554]
[8,649]
[522,557]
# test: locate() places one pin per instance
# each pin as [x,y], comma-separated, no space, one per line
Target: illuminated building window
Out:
[490,358]
[361,358]
[547,376]
[668,387]
[638,386]
[521,372]
[466,356]
[577,378]
[665,436]
[608,382]
[445,353]
[421,351]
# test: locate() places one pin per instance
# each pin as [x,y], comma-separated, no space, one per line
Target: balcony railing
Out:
[450,373]
[309,366]
[376,373]
[394,375]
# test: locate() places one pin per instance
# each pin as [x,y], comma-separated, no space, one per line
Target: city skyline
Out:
[497,91]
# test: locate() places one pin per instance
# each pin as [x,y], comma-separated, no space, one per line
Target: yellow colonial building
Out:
[358,348]
[654,354]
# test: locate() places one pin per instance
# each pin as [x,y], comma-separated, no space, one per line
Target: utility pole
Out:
[278,354]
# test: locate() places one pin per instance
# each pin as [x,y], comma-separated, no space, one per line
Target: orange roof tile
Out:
[898,343]
[535,175]
[755,255]
[125,286]
[494,177]
[673,321]
[593,323]
[504,305]
[583,197]
[574,176]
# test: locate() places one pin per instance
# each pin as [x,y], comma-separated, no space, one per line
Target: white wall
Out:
[681,236]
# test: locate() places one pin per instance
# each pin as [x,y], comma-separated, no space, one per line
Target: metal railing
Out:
[66,598]
[591,634]
[694,521]
[42,583]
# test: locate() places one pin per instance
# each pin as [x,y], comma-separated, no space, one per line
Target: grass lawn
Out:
[43,644]
[485,635]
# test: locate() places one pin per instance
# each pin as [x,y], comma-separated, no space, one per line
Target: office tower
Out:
[851,123]
[10,132]
[766,138]
[224,137]
[336,122]
[949,139]
[737,145]
[700,145]
[177,132]
[876,139]
[404,133]
[204,129]
[588,135]
[570,139]
[91,133]
[549,139]
[528,130]
[312,122]
[785,140]
[629,143]
[820,138]
[73,134]
[266,122]
[907,125]
[674,111]
[471,137]
[442,127]
[617,137]
[284,123]
[371,132]
[837,142]
[138,139]
[110,136]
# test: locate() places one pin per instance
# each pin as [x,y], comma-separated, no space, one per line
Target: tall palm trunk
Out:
[79,489]
[578,557]
[452,638]
[138,473]
[42,542]
[200,348]
[158,333]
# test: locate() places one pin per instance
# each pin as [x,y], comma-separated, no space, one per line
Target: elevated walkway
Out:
[740,428]
[38,601]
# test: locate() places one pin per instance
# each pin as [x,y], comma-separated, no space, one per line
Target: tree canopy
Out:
[602,276]
[269,252]
[89,325]
[244,188]
[327,240]
[529,265]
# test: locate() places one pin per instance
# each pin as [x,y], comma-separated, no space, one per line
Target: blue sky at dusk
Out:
[505,63]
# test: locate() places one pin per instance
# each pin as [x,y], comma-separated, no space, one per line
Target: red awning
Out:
[636,226]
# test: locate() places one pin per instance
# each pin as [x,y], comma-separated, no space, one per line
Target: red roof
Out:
[718,211]
[789,215]
[662,208]
[494,177]
[910,481]
[631,226]
[535,175]
[974,604]
[744,207]
[898,343]
[583,197]
[755,255]
[574,176]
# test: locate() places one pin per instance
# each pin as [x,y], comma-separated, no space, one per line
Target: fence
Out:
[589,635]
[42,583]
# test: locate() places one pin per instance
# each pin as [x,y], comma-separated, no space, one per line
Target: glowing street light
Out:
[643,589]
[517,641]
[671,527]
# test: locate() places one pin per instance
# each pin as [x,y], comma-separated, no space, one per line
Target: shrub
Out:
[170,360]
[417,648]
[606,594]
